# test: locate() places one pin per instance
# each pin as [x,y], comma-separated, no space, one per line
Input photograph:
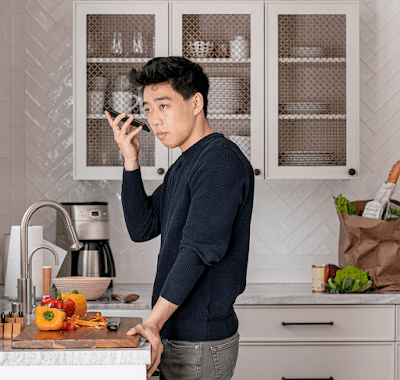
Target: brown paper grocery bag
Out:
[372,245]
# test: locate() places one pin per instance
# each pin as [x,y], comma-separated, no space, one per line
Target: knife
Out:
[113,324]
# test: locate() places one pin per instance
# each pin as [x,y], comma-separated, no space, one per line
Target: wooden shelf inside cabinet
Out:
[312,117]
[211,117]
[103,116]
[228,117]
[316,60]
[221,60]
[118,60]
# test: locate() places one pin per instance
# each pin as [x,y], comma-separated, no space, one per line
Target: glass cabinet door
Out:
[312,106]
[227,41]
[110,39]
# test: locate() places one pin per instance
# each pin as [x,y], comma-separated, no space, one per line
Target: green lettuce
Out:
[348,280]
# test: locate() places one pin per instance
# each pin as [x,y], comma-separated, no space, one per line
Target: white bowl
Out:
[91,287]
[201,49]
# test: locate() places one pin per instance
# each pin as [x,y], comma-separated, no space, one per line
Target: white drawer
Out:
[316,323]
[368,361]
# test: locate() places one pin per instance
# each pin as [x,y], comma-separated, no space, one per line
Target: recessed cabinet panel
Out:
[345,361]
[226,42]
[312,109]
[110,40]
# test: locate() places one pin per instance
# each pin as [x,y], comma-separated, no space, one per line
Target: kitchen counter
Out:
[255,294]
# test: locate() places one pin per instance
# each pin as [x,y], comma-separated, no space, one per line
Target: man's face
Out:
[171,118]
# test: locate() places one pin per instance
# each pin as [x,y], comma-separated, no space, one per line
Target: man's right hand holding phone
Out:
[127,140]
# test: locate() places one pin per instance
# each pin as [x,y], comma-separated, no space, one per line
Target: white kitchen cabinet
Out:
[284,80]
[109,39]
[312,89]
[316,342]
[234,61]
[235,67]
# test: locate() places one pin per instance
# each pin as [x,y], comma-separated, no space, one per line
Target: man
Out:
[202,211]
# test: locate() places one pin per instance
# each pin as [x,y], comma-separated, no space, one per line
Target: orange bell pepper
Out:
[80,302]
[49,319]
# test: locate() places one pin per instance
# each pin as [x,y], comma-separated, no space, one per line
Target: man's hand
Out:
[151,333]
[150,330]
[126,139]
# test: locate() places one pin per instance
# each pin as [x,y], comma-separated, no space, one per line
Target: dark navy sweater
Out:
[202,211]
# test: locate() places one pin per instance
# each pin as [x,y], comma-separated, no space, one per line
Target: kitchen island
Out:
[101,363]
[264,299]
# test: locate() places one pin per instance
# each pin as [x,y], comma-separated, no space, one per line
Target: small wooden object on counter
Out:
[46,273]
[128,298]
[16,329]
[83,337]
[7,331]
[11,325]
[10,318]
[22,319]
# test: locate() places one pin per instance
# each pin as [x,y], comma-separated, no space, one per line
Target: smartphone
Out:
[135,123]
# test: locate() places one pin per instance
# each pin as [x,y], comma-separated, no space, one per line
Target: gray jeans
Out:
[214,360]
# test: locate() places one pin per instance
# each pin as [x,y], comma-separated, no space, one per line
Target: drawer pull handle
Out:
[319,378]
[306,323]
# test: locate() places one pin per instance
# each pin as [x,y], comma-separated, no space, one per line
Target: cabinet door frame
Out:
[81,9]
[256,11]
[351,10]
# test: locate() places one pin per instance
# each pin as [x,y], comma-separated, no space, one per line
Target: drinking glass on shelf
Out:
[91,45]
[117,44]
[137,44]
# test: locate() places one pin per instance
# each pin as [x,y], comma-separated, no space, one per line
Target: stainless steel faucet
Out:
[25,282]
[30,265]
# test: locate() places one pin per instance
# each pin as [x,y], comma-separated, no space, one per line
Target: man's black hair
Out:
[185,77]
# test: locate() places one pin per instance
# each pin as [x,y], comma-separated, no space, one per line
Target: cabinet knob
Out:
[257,171]
[160,171]
[352,171]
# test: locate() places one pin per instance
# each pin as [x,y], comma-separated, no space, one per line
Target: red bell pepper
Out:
[52,302]
[68,305]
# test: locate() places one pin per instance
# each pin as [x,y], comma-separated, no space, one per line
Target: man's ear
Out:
[198,103]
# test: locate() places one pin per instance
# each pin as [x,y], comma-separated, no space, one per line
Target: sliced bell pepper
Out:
[49,319]
[52,302]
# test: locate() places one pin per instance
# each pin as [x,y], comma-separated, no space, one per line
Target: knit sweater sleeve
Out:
[218,187]
[142,212]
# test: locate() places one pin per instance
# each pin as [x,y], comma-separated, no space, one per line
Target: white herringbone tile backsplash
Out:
[294,223]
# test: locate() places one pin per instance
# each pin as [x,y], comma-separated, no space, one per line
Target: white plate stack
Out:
[225,95]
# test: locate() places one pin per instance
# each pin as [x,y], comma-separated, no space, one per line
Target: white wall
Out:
[294,223]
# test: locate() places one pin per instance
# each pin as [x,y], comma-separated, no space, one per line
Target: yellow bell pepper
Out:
[79,299]
[49,319]
[80,302]
[64,296]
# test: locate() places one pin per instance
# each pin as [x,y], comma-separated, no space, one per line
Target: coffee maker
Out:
[91,222]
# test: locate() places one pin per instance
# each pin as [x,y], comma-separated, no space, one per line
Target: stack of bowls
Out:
[225,95]
[200,49]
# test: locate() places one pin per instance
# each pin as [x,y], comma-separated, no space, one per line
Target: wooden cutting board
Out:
[83,337]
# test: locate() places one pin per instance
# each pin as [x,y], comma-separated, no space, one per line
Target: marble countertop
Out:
[255,294]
